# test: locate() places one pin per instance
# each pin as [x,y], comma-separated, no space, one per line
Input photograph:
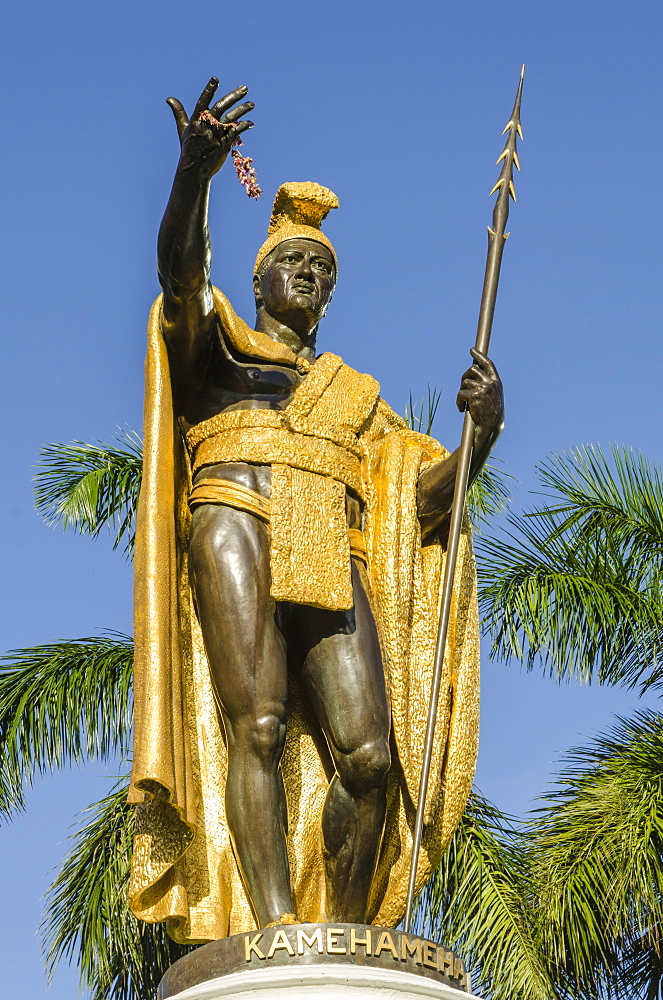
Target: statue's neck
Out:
[300,342]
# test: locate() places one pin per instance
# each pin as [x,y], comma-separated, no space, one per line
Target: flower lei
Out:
[243,164]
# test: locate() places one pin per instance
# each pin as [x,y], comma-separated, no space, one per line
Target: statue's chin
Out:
[302,302]
[300,313]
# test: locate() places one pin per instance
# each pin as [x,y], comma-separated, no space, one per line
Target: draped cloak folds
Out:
[183,867]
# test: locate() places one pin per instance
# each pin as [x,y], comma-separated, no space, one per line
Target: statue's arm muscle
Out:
[435,489]
[184,258]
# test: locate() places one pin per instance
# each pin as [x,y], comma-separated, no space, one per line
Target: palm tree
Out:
[575,586]
[479,902]
[71,702]
[596,856]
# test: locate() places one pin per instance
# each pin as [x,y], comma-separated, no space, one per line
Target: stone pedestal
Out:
[318,962]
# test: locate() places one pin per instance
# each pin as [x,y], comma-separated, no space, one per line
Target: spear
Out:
[496,240]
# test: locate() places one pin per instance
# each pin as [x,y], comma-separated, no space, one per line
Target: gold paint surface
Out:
[184,869]
[310,548]
[229,494]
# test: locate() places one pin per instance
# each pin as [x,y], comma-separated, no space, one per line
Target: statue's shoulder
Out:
[388,427]
[383,420]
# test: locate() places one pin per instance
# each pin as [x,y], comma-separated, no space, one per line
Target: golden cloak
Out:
[183,868]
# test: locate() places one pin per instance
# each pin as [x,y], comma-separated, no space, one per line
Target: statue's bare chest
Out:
[233,384]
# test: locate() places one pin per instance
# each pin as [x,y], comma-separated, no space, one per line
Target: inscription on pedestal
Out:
[313,944]
[349,940]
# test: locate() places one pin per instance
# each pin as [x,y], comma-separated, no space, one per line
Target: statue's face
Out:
[296,282]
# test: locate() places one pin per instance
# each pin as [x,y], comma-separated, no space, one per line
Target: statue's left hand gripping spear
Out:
[496,240]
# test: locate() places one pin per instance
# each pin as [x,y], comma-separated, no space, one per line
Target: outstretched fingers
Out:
[236,113]
[242,127]
[221,108]
[227,102]
[180,114]
[206,96]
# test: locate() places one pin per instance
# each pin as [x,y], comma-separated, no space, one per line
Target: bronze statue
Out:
[290,548]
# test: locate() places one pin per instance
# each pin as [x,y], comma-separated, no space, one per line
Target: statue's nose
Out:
[305,265]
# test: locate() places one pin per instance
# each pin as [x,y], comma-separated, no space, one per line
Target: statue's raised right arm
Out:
[184,248]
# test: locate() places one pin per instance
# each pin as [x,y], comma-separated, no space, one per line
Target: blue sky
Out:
[399,109]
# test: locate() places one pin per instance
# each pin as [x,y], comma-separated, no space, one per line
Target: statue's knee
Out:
[263,737]
[365,768]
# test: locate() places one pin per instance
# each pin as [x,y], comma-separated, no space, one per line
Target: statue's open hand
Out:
[208,136]
[481,393]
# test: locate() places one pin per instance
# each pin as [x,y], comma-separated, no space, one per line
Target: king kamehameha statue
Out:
[289,558]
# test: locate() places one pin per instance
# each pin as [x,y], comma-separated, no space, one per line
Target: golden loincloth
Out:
[228,494]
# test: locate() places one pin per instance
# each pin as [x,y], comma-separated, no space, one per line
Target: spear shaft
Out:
[496,240]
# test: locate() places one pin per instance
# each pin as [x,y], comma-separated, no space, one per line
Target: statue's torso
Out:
[234,384]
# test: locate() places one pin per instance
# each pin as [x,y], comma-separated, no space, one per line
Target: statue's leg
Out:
[229,569]
[343,671]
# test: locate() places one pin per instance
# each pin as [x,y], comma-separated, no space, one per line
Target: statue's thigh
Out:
[343,671]
[230,579]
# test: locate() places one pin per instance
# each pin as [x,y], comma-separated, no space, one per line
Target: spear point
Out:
[508,158]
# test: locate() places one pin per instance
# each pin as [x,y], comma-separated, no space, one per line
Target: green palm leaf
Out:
[624,491]
[87,917]
[62,703]
[90,486]
[421,417]
[642,966]
[577,584]
[489,495]
[597,857]
[478,903]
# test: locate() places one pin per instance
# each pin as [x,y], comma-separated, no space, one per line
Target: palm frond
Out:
[578,584]
[624,489]
[478,903]
[90,486]
[87,918]
[61,703]
[597,858]
[641,972]
[421,417]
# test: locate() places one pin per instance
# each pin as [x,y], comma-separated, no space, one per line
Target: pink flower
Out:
[243,164]
[207,116]
[245,172]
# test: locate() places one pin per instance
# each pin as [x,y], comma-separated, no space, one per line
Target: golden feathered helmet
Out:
[299,208]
